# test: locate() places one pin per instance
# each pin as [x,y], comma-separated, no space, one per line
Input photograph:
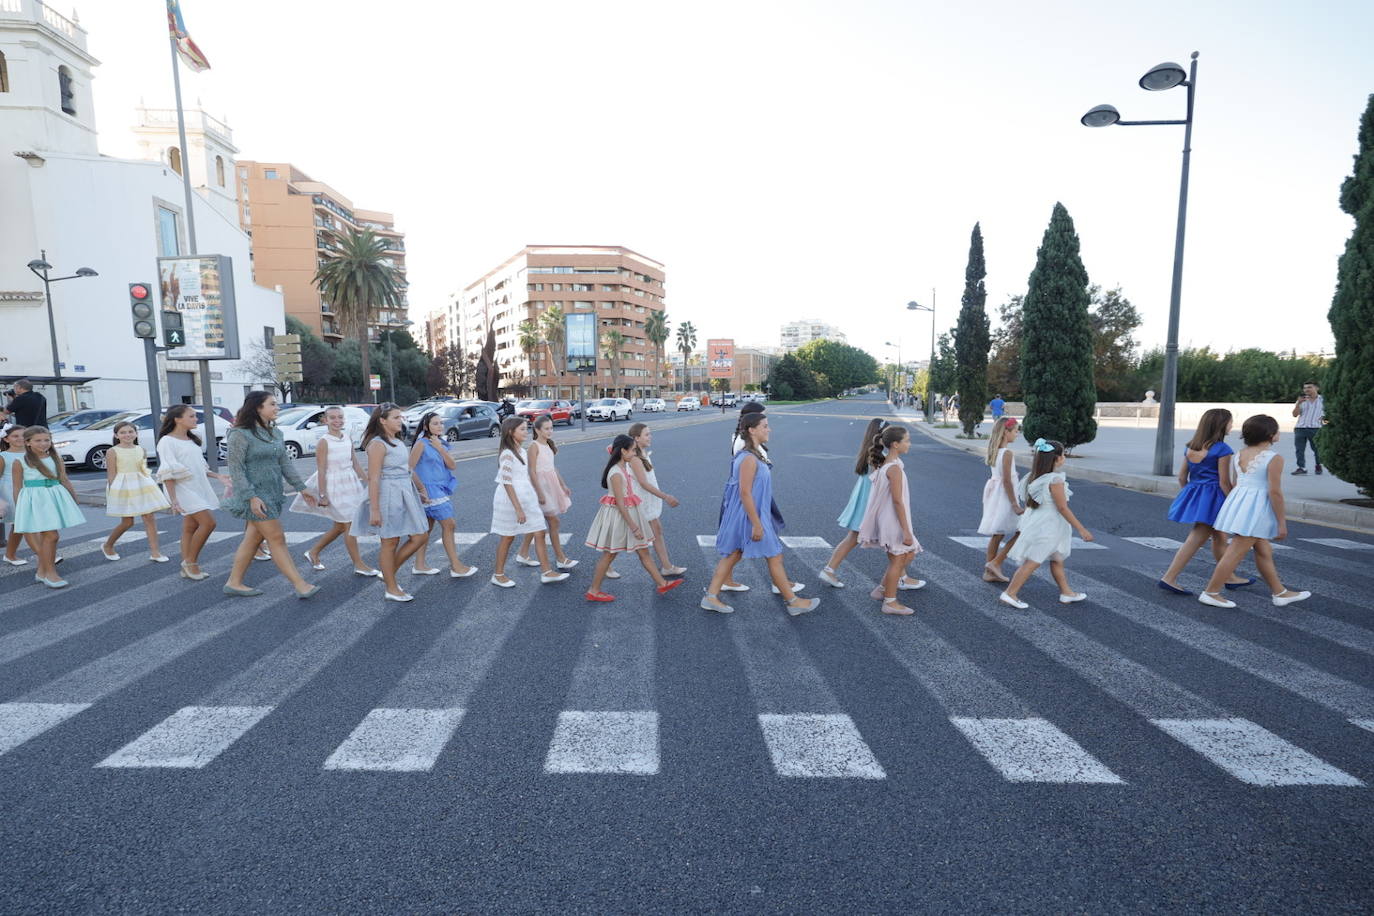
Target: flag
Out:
[191,55]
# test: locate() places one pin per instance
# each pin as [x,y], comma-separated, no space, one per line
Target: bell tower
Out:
[46,103]
[210,152]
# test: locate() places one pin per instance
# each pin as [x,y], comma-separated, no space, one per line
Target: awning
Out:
[49,379]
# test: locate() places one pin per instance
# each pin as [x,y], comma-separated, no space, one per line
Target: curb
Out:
[1339,515]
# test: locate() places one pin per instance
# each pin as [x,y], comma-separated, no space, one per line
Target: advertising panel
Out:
[720,358]
[200,288]
[580,340]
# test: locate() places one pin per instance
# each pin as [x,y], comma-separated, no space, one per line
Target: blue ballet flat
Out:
[1172,588]
[1236,585]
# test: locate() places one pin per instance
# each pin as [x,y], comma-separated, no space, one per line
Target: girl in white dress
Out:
[515,506]
[185,477]
[1001,508]
[12,449]
[554,495]
[338,478]
[1047,526]
[1253,514]
[131,492]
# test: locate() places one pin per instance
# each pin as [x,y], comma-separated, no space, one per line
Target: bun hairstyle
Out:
[31,457]
[745,430]
[545,419]
[169,422]
[1211,429]
[890,436]
[508,427]
[633,432]
[374,428]
[618,445]
[998,436]
[114,434]
[1259,429]
[874,427]
[1047,452]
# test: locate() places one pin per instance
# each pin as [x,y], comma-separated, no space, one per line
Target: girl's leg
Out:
[725,570]
[783,582]
[351,545]
[1264,562]
[992,567]
[12,545]
[455,563]
[150,526]
[666,564]
[603,563]
[524,552]
[411,547]
[555,539]
[993,543]
[1236,552]
[1186,550]
[125,523]
[1018,578]
[336,529]
[272,532]
[243,556]
[502,552]
[1001,557]
[421,555]
[896,564]
[1219,551]
[46,552]
[842,549]
[649,566]
[542,551]
[1061,579]
[195,531]
[386,559]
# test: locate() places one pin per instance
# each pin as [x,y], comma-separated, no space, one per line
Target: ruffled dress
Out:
[1247,511]
[397,499]
[609,531]
[650,506]
[510,469]
[1201,498]
[556,502]
[1045,534]
[182,462]
[735,528]
[880,526]
[133,491]
[44,504]
[259,466]
[438,480]
[999,514]
[853,515]
[345,491]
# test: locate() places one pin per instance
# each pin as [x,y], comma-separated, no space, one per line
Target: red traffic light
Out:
[138,291]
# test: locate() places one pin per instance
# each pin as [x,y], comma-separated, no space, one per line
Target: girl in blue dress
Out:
[1207,476]
[1253,514]
[744,530]
[434,467]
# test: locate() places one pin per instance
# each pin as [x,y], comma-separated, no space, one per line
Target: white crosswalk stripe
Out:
[1253,755]
[1339,543]
[980,542]
[1033,750]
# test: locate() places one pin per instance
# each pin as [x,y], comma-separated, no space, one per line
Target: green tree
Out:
[686,343]
[1057,341]
[842,366]
[656,333]
[355,278]
[944,370]
[1349,396]
[790,379]
[611,343]
[971,338]
[555,332]
[1114,322]
[1004,367]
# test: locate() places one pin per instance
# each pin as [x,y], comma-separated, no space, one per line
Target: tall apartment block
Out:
[620,286]
[288,216]
[799,333]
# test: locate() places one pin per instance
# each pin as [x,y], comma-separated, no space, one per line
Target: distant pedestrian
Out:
[1253,514]
[1001,508]
[1207,478]
[997,407]
[554,495]
[1310,409]
[186,479]
[44,501]
[745,531]
[27,407]
[434,469]
[1046,528]
[619,525]
[339,481]
[887,520]
[392,509]
[131,492]
[515,506]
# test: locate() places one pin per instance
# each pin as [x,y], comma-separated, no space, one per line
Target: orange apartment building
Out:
[621,286]
[287,214]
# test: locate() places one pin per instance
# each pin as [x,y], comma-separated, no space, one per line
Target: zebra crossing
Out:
[610,723]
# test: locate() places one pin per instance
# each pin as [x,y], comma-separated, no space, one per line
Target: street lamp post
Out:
[930,389]
[896,375]
[1164,76]
[391,329]
[40,268]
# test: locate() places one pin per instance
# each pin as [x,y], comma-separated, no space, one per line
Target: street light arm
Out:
[1145,123]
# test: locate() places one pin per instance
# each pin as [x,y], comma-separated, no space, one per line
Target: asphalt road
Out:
[165,749]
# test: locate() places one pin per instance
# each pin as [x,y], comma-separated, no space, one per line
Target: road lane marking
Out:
[1339,543]
[1254,755]
[614,742]
[799,543]
[19,722]
[980,542]
[1033,750]
[189,738]
[815,745]
[397,740]
[1156,543]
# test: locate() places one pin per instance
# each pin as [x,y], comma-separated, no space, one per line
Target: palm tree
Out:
[551,324]
[656,332]
[611,342]
[529,340]
[355,278]
[686,342]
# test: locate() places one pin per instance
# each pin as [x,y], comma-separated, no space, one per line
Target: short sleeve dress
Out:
[999,515]
[510,469]
[609,531]
[1045,534]
[258,466]
[1247,511]
[1200,499]
[182,462]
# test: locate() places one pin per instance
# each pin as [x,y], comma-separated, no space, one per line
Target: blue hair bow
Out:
[1042,446]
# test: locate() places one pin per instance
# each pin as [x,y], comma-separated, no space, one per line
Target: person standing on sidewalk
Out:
[1309,410]
[27,407]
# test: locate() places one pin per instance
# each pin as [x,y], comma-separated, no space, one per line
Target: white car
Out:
[653,405]
[689,404]
[88,446]
[302,425]
[610,409]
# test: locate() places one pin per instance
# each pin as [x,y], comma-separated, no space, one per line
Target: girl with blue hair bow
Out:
[1046,529]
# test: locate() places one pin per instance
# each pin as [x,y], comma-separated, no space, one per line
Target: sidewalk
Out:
[1122,455]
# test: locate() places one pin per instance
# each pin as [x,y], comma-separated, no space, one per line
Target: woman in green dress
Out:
[258,466]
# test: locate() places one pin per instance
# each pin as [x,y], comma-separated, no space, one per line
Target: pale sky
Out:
[803,159]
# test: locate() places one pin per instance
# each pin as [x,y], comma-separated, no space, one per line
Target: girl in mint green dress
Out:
[43,501]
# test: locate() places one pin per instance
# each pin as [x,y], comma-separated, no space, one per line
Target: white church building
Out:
[115,216]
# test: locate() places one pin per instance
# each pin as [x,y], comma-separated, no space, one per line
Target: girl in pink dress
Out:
[887,520]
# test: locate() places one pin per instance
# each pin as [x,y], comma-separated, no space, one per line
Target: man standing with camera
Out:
[27,407]
[1309,410]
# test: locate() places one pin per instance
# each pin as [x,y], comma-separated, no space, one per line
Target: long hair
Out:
[1042,463]
[374,429]
[508,427]
[32,460]
[747,424]
[114,435]
[618,445]
[553,446]
[634,431]
[1211,429]
[169,422]
[1257,430]
[874,427]
[753,408]
[247,418]
[6,441]
[998,436]
[884,440]
[422,431]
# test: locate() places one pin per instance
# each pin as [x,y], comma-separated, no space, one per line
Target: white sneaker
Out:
[908,584]
[550,577]
[1014,602]
[1294,598]
[526,561]
[1070,599]
[727,587]
[828,576]
[1214,600]
[796,587]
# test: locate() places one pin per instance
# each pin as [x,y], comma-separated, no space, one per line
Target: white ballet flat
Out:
[566,564]
[1070,599]
[509,583]
[417,571]
[402,598]
[711,603]
[109,556]
[1291,599]
[828,576]
[1214,600]
[738,588]
[370,574]
[612,574]
[906,584]
[315,563]
[526,561]
[20,561]
[1016,603]
[472,571]
[805,607]
[796,587]
[550,578]
[159,559]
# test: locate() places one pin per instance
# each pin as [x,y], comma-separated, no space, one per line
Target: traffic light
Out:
[141,305]
[173,333]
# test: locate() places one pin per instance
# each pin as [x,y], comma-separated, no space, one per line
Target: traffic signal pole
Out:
[154,388]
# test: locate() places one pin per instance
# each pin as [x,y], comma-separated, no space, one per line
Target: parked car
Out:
[688,403]
[609,409]
[753,396]
[653,405]
[559,411]
[469,420]
[80,419]
[728,399]
[88,446]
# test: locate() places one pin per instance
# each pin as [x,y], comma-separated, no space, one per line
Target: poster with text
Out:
[720,358]
[201,289]
[580,340]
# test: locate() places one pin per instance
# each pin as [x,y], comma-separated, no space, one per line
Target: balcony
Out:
[52,20]
[195,119]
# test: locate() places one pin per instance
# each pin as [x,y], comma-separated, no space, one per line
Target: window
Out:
[4,74]
[270,174]
[65,90]
[267,332]
[219,170]
[174,158]
[168,237]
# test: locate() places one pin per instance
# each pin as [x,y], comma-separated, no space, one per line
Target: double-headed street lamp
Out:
[1164,76]
[40,268]
[917,307]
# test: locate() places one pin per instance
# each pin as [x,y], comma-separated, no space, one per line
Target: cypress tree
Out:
[972,338]
[1057,341]
[1347,445]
